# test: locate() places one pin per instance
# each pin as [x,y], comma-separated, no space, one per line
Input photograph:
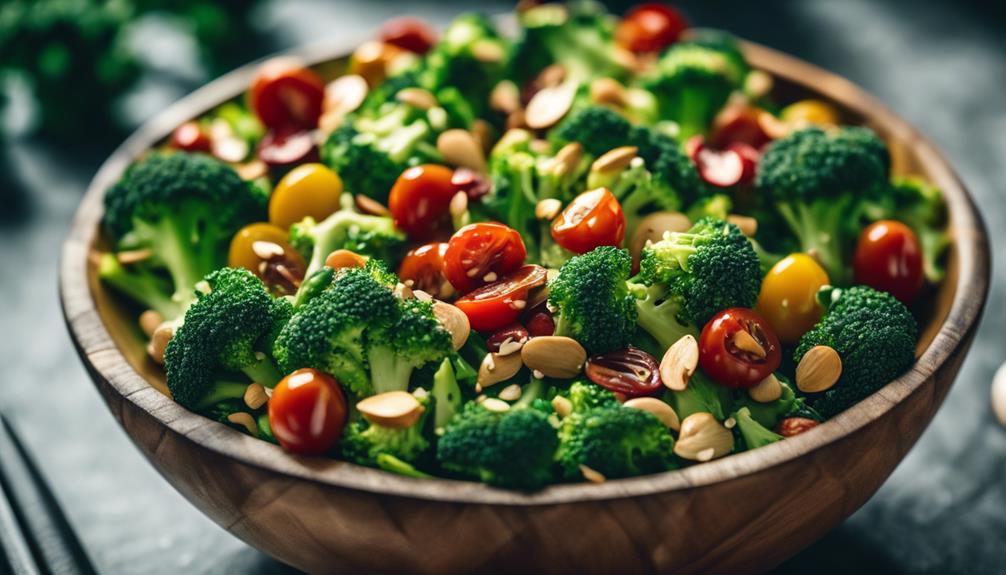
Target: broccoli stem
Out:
[221,391]
[263,371]
[186,254]
[446,394]
[818,226]
[754,434]
[392,464]
[139,285]
[693,113]
[388,371]
[532,391]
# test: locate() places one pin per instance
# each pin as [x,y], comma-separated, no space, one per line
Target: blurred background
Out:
[77,75]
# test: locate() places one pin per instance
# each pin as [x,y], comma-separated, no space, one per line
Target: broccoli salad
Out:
[596,249]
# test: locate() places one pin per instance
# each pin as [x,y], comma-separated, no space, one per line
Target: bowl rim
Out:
[113,374]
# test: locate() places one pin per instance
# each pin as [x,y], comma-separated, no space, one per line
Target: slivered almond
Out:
[417,98]
[252,170]
[458,205]
[547,209]
[818,370]
[505,97]
[129,257]
[244,420]
[607,91]
[614,160]
[562,405]
[551,76]
[497,405]
[255,396]
[267,250]
[549,106]
[554,356]
[341,258]
[454,321]
[368,205]
[702,438]
[460,149]
[159,341]
[565,160]
[345,94]
[591,475]
[767,390]
[496,368]
[395,409]
[488,51]
[747,224]
[511,392]
[665,413]
[744,341]
[679,363]
[149,320]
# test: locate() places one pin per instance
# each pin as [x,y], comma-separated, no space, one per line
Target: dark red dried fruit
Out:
[515,332]
[630,371]
[794,426]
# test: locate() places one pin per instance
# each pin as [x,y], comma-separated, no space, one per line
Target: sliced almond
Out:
[417,98]
[547,209]
[149,320]
[266,250]
[819,369]
[615,160]
[368,205]
[653,227]
[345,94]
[255,396]
[458,205]
[702,438]
[549,106]
[679,363]
[562,406]
[744,341]
[396,409]
[551,76]
[511,392]
[591,475]
[130,257]
[496,368]
[665,413]
[554,356]
[244,420]
[483,133]
[566,160]
[767,390]
[252,170]
[340,259]
[607,91]
[747,224]
[505,97]
[159,341]
[460,148]
[497,405]
[488,51]
[455,321]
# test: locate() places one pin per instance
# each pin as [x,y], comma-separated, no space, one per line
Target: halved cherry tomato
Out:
[420,199]
[307,190]
[242,255]
[888,258]
[286,149]
[191,137]
[650,28]
[424,267]
[307,412]
[482,253]
[408,33]
[739,124]
[788,297]
[287,96]
[733,166]
[500,303]
[730,357]
[592,219]
[263,249]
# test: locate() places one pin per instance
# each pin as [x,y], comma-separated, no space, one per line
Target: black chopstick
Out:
[29,513]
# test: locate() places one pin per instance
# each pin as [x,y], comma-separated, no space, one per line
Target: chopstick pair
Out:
[35,536]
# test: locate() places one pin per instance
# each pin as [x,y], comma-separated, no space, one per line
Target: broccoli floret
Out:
[821,183]
[363,442]
[693,80]
[615,441]
[416,338]
[919,205]
[183,209]
[752,432]
[872,332]
[596,128]
[771,413]
[226,330]
[685,274]
[446,395]
[373,236]
[587,395]
[513,449]
[593,301]
[470,59]
[702,395]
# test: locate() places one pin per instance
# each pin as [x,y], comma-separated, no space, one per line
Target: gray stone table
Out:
[941,65]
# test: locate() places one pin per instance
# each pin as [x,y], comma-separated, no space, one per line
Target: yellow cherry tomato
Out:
[810,112]
[264,250]
[788,298]
[307,190]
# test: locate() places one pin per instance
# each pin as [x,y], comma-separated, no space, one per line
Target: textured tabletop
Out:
[940,65]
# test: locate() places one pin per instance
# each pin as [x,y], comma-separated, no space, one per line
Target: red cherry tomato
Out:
[420,199]
[739,124]
[482,253]
[190,137]
[500,303]
[286,149]
[592,219]
[408,33]
[424,267]
[287,96]
[888,258]
[650,28]
[307,412]
[733,166]
[730,357]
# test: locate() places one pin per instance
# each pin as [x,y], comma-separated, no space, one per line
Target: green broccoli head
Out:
[693,80]
[597,128]
[372,236]
[872,332]
[586,395]
[414,339]
[513,449]
[698,273]
[469,60]
[226,330]
[183,208]
[615,441]
[752,433]
[821,183]
[593,301]
[364,442]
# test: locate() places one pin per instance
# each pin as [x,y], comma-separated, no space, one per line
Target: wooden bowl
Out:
[743,513]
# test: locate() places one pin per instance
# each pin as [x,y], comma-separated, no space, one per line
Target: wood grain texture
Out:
[741,514]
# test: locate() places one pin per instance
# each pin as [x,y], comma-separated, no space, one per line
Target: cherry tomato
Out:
[420,199]
[307,412]
[287,96]
[739,124]
[733,166]
[650,28]
[888,258]
[482,253]
[190,137]
[408,33]
[500,303]
[283,150]
[424,267]
[788,297]
[309,190]
[263,249]
[631,372]
[592,219]
[738,348]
